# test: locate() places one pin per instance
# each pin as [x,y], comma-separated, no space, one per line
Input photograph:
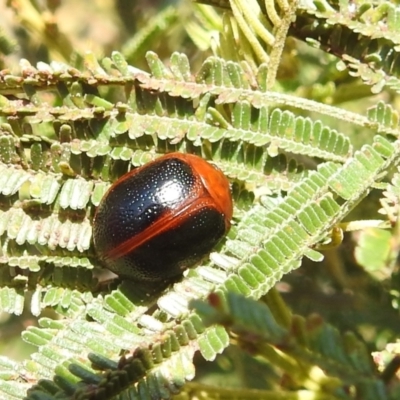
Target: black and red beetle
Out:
[162,218]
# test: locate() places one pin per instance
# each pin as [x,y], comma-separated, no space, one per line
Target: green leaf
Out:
[374,250]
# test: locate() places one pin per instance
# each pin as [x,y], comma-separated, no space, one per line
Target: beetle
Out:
[161,218]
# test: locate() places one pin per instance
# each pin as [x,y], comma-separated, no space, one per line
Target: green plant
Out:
[307,136]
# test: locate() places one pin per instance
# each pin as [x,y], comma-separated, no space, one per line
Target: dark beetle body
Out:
[162,218]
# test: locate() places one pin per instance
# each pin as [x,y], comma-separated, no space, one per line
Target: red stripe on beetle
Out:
[179,204]
[165,223]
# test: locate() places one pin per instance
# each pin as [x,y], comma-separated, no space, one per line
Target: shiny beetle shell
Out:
[161,218]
